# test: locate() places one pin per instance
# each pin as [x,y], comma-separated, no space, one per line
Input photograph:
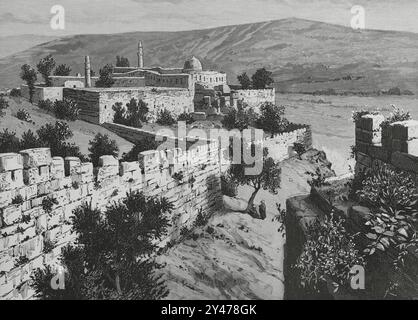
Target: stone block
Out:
[379,152]
[57,168]
[36,157]
[405,130]
[410,147]
[31,176]
[107,171]
[105,161]
[371,122]
[44,188]
[11,214]
[128,167]
[72,165]
[10,162]
[11,180]
[404,161]
[6,198]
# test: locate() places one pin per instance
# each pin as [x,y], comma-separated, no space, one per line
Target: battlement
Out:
[32,178]
[395,144]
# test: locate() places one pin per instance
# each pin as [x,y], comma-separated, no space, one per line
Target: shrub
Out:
[396,115]
[165,118]
[318,178]
[102,145]
[113,258]
[135,113]
[62,70]
[45,67]
[178,176]
[329,254]
[228,186]
[9,142]
[186,117]
[392,197]
[23,115]
[66,109]
[395,91]
[356,115]
[48,203]
[17,200]
[105,77]
[240,119]
[15,92]
[146,144]
[300,149]
[201,219]
[4,104]
[272,119]
[46,105]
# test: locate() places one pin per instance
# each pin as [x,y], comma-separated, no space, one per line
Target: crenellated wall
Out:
[27,229]
[396,144]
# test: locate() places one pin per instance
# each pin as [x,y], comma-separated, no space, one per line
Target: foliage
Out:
[62,70]
[245,81]
[329,254]
[105,77]
[262,78]
[133,115]
[228,186]
[356,115]
[29,141]
[272,119]
[15,92]
[240,119]
[102,145]
[28,74]
[48,203]
[48,246]
[113,256]
[46,105]
[186,117]
[201,219]
[178,176]
[165,118]
[269,178]
[392,196]
[4,104]
[148,143]
[318,178]
[45,67]
[122,61]
[23,115]
[18,199]
[66,109]
[9,142]
[396,115]
[280,217]
[299,148]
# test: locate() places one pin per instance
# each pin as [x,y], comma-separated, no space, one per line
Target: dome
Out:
[192,65]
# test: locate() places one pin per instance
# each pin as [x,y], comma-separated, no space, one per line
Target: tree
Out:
[45,67]
[268,179]
[239,119]
[245,81]
[105,77]
[135,113]
[272,118]
[4,104]
[28,74]
[165,118]
[112,259]
[148,143]
[102,145]
[62,70]
[262,78]
[122,61]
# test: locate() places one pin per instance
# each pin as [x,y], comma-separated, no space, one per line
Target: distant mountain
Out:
[305,56]
[12,44]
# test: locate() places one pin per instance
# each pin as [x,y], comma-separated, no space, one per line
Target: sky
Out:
[114,16]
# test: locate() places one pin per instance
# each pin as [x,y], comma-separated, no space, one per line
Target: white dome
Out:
[192,65]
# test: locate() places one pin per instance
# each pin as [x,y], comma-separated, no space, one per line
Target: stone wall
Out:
[396,144]
[155,79]
[255,98]
[34,175]
[96,104]
[121,80]
[43,93]
[281,146]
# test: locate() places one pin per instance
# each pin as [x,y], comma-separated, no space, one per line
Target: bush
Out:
[66,109]
[48,203]
[105,77]
[62,70]
[46,105]
[135,113]
[102,145]
[9,142]
[272,119]
[186,117]
[228,186]
[15,92]
[299,148]
[29,141]
[240,119]
[396,115]
[4,104]
[165,118]
[23,115]
[395,91]
[113,258]
[146,144]
[329,254]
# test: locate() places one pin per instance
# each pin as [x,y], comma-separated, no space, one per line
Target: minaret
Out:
[140,55]
[87,71]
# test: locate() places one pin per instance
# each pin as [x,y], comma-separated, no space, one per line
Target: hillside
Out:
[83,131]
[305,55]
[12,44]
